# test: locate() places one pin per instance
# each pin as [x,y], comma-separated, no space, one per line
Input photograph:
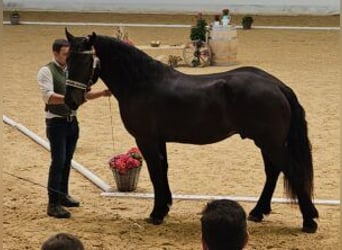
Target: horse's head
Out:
[80,69]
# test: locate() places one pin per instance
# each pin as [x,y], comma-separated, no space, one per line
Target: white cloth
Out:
[45,82]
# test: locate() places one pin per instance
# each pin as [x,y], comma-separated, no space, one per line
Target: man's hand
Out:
[106,92]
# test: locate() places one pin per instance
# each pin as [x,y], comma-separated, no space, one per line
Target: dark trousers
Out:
[63,136]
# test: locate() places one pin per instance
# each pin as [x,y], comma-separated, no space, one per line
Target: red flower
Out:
[135,153]
[217,17]
[124,162]
[134,150]
[132,163]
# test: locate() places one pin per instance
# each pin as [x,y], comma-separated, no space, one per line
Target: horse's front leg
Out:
[165,166]
[155,156]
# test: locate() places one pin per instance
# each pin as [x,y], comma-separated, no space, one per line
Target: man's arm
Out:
[45,82]
[93,94]
[56,99]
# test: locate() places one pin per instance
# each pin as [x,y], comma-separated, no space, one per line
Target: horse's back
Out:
[251,98]
[246,100]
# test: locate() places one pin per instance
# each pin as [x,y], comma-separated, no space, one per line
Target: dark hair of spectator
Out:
[62,241]
[224,225]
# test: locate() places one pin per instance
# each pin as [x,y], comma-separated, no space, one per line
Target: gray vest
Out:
[59,87]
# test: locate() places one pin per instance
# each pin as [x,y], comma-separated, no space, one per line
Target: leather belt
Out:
[68,118]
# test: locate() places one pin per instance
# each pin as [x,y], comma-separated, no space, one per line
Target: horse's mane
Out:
[134,66]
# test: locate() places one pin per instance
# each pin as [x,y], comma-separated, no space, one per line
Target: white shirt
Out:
[45,82]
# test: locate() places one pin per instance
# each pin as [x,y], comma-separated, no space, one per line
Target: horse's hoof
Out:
[255,218]
[154,221]
[309,227]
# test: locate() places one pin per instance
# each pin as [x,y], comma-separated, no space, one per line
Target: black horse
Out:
[159,104]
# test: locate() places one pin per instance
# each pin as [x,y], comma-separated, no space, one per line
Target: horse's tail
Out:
[300,170]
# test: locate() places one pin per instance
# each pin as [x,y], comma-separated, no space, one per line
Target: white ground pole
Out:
[84,171]
[216,197]
[164,25]
[107,189]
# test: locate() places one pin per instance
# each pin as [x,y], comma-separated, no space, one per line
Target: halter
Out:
[76,84]
[80,85]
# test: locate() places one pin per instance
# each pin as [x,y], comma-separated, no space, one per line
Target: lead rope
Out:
[111,119]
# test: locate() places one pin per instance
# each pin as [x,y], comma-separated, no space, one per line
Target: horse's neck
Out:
[117,82]
[113,85]
[130,73]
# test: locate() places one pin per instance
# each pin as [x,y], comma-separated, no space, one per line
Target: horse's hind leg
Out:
[263,206]
[309,212]
[307,208]
[281,158]
[155,159]
[295,183]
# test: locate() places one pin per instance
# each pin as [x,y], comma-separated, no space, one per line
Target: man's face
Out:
[62,56]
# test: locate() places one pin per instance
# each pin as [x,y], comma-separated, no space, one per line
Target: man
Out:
[224,226]
[61,128]
[62,241]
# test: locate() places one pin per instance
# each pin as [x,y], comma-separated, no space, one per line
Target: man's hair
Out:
[224,225]
[58,44]
[62,241]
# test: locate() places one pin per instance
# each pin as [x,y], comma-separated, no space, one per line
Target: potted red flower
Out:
[126,169]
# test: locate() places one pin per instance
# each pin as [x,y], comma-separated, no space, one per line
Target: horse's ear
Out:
[68,35]
[92,38]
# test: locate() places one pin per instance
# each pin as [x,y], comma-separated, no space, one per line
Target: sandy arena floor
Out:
[305,60]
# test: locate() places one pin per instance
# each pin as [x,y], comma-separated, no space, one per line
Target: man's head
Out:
[224,226]
[60,49]
[62,241]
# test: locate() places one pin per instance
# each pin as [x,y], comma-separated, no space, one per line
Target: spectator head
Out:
[224,226]
[62,241]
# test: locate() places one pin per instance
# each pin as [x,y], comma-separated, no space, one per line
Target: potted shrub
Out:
[14,17]
[247,22]
[199,31]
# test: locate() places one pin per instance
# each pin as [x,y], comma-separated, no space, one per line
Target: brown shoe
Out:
[57,211]
[68,201]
